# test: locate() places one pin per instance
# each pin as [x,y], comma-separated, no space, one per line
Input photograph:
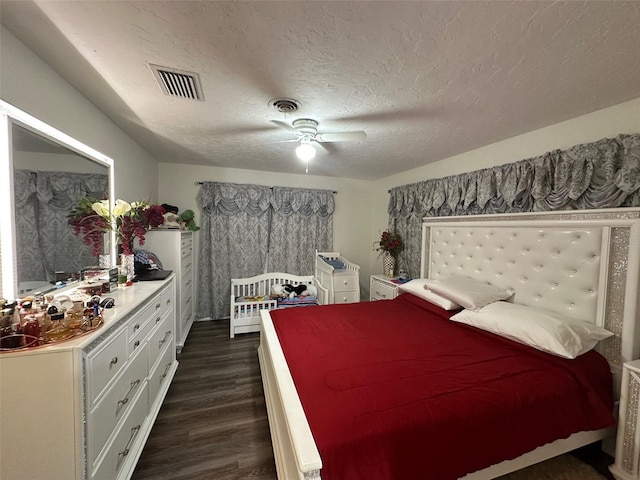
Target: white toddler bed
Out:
[252,294]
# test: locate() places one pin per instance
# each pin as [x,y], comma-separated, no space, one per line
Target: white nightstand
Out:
[628,442]
[382,288]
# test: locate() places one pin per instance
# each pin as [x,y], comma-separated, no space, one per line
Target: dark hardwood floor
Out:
[213,423]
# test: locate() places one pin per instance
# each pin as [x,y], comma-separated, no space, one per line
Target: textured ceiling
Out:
[424,80]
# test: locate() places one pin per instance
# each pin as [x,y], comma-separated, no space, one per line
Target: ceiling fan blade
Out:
[327,147]
[286,126]
[240,130]
[341,137]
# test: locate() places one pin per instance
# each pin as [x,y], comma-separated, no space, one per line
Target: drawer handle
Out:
[345,282]
[136,344]
[157,306]
[168,301]
[125,452]
[113,361]
[136,327]
[157,319]
[188,266]
[166,370]
[125,400]
[381,294]
[164,339]
[344,299]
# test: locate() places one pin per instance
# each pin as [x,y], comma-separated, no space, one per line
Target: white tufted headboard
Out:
[582,264]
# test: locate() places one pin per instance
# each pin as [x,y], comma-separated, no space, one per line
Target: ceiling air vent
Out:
[178,83]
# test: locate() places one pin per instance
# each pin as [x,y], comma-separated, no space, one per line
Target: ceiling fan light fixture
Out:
[305,152]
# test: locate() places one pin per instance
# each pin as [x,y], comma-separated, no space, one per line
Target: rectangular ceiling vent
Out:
[178,83]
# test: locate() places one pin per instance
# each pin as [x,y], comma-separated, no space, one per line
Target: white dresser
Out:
[382,288]
[175,250]
[83,409]
[342,285]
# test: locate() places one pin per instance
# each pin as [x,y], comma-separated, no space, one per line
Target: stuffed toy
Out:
[171,220]
[288,290]
[277,290]
[310,291]
[188,219]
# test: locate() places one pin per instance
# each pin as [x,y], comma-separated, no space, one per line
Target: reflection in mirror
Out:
[49,181]
[43,174]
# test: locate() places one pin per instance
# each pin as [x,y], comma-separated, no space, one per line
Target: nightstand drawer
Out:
[382,289]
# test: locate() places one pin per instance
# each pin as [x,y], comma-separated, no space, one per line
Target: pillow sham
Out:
[540,329]
[417,287]
[468,292]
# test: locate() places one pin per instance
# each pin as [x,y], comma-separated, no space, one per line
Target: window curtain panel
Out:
[42,202]
[250,229]
[602,174]
[302,223]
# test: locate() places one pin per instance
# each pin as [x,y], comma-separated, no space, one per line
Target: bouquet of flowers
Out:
[389,242]
[92,218]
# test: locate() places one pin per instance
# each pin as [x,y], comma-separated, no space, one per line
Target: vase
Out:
[127,265]
[388,264]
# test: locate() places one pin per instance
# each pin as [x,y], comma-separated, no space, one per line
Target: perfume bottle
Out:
[31,331]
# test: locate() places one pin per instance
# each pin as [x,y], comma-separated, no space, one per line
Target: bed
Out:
[252,294]
[580,264]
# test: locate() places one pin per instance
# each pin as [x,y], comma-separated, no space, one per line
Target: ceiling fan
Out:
[306,132]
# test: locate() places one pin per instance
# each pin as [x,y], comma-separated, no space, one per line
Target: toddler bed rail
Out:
[251,295]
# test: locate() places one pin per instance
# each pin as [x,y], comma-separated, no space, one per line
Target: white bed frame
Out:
[244,317]
[584,264]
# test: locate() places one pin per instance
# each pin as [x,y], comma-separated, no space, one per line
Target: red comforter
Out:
[393,390]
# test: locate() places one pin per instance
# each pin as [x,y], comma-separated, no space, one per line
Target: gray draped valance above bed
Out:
[602,174]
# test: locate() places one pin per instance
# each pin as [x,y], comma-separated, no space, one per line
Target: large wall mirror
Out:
[47,174]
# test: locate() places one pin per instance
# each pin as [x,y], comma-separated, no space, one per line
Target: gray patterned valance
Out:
[602,174]
[232,198]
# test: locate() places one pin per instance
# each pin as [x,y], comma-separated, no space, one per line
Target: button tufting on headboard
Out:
[530,261]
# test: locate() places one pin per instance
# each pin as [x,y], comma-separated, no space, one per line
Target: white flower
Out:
[121,208]
[101,208]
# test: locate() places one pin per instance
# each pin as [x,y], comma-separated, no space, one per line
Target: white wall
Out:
[31,85]
[351,221]
[606,123]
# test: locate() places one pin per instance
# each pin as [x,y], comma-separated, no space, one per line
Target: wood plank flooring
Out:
[213,423]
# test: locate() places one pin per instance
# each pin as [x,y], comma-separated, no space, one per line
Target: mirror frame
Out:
[10,115]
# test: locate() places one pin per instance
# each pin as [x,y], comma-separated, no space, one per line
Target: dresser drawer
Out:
[186,281]
[126,441]
[115,403]
[105,363]
[138,340]
[346,297]
[186,241]
[186,300]
[160,373]
[160,337]
[343,283]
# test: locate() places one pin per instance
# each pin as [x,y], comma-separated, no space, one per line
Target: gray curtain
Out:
[602,174]
[240,223]
[46,241]
[302,223]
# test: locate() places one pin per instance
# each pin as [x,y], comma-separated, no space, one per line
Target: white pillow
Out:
[546,331]
[468,292]
[418,288]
